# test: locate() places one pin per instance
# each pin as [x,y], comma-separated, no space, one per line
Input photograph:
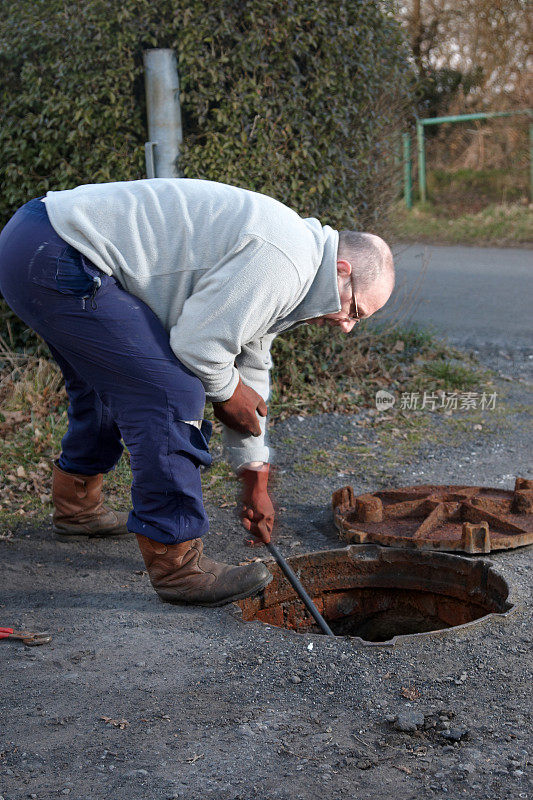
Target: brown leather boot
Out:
[79,510]
[180,573]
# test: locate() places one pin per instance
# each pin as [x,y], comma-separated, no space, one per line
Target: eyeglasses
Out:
[355,318]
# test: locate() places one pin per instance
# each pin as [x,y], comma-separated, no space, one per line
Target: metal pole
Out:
[313,610]
[477,115]
[398,163]
[531,163]
[421,160]
[163,112]
[407,171]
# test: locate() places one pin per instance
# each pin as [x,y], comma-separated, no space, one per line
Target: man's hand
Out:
[257,509]
[240,412]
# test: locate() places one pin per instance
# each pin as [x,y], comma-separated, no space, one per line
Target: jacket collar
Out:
[322,297]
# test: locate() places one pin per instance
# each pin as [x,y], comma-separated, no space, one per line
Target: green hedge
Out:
[297,99]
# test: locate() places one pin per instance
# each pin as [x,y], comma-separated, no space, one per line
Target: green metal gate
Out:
[421,148]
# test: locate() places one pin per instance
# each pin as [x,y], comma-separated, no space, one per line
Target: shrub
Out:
[301,100]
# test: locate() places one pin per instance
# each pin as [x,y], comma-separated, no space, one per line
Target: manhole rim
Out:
[515,605]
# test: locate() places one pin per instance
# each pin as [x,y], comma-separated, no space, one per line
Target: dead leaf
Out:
[399,346]
[116,723]
[402,768]
[410,693]
[21,472]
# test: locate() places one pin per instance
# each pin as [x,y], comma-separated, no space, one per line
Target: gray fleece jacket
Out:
[224,270]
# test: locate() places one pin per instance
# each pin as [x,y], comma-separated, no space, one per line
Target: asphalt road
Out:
[473,295]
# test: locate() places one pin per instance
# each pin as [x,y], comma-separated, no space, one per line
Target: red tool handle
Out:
[5,632]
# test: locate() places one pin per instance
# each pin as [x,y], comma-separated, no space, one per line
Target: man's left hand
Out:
[257,509]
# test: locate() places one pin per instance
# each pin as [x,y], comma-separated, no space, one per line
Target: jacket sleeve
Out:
[253,363]
[231,307]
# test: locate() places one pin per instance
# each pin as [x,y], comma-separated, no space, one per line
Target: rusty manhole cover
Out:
[379,594]
[471,519]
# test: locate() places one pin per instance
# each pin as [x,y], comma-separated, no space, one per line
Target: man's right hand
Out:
[240,412]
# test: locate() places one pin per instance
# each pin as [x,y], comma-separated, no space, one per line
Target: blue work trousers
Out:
[122,378]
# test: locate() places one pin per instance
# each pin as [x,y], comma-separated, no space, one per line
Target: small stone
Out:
[408,721]
[65,791]
[390,717]
[446,713]
[246,730]
[295,679]
[364,763]
[455,734]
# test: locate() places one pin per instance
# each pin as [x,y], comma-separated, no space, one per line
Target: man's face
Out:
[355,307]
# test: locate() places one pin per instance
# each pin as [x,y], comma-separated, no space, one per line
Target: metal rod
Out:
[407,171]
[421,160]
[163,112]
[478,115]
[398,163]
[291,576]
[531,163]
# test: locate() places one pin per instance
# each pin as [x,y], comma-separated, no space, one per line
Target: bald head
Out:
[370,257]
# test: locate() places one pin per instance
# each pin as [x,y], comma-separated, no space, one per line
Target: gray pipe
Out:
[163,112]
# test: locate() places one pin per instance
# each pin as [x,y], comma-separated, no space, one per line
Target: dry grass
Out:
[498,225]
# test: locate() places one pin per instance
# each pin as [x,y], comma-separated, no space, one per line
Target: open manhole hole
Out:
[379,594]
[471,519]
